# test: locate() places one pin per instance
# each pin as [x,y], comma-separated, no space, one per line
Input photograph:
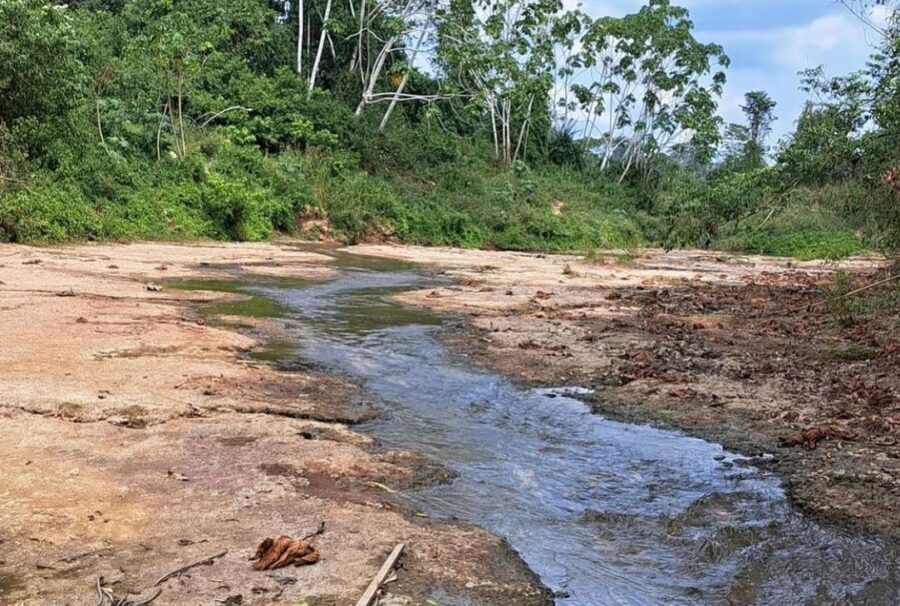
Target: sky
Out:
[769,41]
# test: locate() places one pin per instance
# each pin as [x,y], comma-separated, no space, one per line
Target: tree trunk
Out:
[162,119]
[494,130]
[376,71]
[315,67]
[358,53]
[405,79]
[99,123]
[300,37]
[631,155]
[507,126]
[524,128]
[181,114]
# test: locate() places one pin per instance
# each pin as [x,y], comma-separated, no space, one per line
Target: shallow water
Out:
[606,513]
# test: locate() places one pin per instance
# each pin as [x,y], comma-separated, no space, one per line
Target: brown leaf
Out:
[808,438]
[284,551]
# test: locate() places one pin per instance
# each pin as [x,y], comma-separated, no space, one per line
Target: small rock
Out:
[177,476]
[154,287]
[286,580]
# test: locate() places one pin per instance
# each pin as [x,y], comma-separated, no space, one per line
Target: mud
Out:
[741,350]
[141,436]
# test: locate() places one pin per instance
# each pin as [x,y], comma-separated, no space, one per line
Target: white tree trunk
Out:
[524,129]
[358,53]
[300,37]
[376,71]
[315,68]
[494,130]
[507,128]
[412,59]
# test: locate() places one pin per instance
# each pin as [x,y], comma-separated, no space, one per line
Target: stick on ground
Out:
[372,589]
[207,560]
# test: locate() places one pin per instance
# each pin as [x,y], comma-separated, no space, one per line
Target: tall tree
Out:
[759,108]
[654,86]
[41,76]
[502,52]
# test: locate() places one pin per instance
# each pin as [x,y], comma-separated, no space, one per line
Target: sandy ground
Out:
[138,439]
[736,349]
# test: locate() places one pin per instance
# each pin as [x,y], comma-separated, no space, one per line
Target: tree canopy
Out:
[191,117]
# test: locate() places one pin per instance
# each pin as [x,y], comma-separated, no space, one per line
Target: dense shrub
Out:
[48,214]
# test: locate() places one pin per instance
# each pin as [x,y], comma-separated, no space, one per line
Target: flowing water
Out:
[606,513]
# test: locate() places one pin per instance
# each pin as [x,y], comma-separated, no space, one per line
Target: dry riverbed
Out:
[138,439]
[740,350]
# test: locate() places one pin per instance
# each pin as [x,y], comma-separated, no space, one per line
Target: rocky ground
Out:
[138,439]
[748,351]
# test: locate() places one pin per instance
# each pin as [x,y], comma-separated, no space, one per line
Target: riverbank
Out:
[741,350]
[141,438]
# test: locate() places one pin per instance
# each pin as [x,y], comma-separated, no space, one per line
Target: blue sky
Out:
[768,42]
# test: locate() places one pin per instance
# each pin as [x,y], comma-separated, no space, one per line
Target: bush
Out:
[242,210]
[696,211]
[813,223]
[48,214]
[238,194]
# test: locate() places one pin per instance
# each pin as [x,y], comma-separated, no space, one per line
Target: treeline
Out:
[510,123]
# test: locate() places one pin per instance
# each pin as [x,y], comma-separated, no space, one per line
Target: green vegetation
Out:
[531,127]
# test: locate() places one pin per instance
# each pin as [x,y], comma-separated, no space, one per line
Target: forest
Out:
[512,124]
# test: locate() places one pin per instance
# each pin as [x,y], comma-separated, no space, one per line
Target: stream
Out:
[606,513]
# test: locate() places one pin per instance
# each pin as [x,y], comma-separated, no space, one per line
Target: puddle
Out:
[606,513]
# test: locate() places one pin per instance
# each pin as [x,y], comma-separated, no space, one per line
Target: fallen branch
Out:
[183,569]
[78,556]
[859,290]
[107,597]
[379,578]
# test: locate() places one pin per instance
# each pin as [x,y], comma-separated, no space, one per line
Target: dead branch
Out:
[379,578]
[107,598]
[183,569]
[868,286]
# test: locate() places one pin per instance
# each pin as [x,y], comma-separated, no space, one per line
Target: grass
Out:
[812,224]
[475,207]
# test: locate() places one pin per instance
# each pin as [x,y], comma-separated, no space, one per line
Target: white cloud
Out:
[769,59]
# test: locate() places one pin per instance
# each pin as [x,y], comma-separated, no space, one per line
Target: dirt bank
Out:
[139,438]
[739,350]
